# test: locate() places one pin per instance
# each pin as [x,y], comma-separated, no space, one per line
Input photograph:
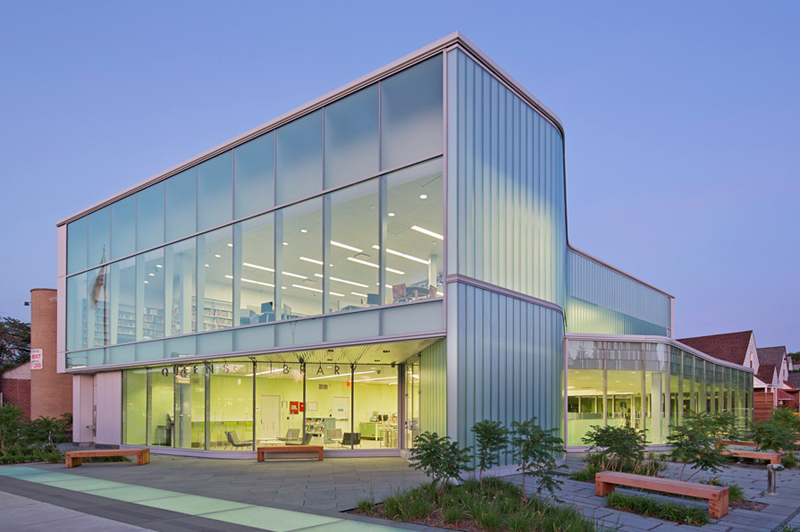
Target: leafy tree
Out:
[695,441]
[622,442]
[439,458]
[779,432]
[11,417]
[535,449]
[15,343]
[491,438]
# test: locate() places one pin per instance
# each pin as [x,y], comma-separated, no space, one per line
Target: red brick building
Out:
[15,387]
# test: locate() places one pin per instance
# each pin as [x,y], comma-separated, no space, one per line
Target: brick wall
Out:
[17,392]
[51,392]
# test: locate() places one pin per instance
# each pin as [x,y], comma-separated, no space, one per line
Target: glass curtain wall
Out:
[647,386]
[362,240]
[230,405]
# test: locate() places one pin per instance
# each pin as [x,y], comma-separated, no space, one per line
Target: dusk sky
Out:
[682,122]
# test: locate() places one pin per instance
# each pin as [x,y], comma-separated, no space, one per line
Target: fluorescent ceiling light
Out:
[409,257]
[257,267]
[359,294]
[345,246]
[392,270]
[218,255]
[344,281]
[376,379]
[208,266]
[391,214]
[276,370]
[230,245]
[423,196]
[312,261]
[151,274]
[159,266]
[427,232]
[257,282]
[365,263]
[340,375]
[290,274]
[439,293]
[307,288]
[336,294]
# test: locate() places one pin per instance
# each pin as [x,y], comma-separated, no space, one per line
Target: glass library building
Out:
[388,259]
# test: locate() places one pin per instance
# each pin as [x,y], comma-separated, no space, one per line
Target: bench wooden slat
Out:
[774,458]
[262,451]
[75,458]
[605,482]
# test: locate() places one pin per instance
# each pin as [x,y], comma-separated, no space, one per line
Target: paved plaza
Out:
[191,494]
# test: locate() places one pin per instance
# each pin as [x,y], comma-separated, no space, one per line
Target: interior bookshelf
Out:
[216,315]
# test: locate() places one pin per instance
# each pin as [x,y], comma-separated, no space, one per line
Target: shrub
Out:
[736,493]
[649,507]
[622,442]
[452,514]
[491,438]
[789,460]
[535,449]
[440,459]
[366,506]
[694,441]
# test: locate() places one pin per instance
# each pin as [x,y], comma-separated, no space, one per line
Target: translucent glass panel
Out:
[99,233]
[414,233]
[150,272]
[76,245]
[215,279]
[77,311]
[215,191]
[150,217]
[328,416]
[279,393]
[190,409]
[230,390]
[181,201]
[123,228]
[257,286]
[299,260]
[162,408]
[375,406]
[657,392]
[134,407]
[254,176]
[507,218]
[353,258]
[181,303]
[122,282]
[351,138]
[299,158]
[411,114]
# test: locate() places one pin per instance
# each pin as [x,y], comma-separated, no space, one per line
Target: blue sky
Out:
[682,121]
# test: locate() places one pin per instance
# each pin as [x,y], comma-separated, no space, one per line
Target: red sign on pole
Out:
[36,359]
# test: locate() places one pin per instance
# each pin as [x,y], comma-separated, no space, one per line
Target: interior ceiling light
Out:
[304,231]
[257,267]
[345,246]
[365,263]
[336,294]
[218,255]
[159,266]
[207,266]
[362,285]
[427,232]
[276,370]
[340,375]
[391,215]
[147,282]
[408,257]
[439,293]
[151,274]
[257,282]
[423,196]
[230,245]
[312,261]
[290,274]
[285,243]
[359,294]
[376,379]
[307,288]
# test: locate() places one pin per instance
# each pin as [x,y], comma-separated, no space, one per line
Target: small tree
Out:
[535,449]
[622,442]
[11,418]
[439,458]
[778,433]
[491,438]
[695,441]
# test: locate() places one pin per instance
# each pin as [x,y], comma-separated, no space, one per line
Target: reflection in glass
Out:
[97,314]
[328,415]
[299,158]
[150,274]
[414,233]
[122,280]
[215,279]
[254,176]
[162,408]
[77,311]
[231,406]
[257,286]
[299,259]
[134,407]
[353,259]
[190,408]
[411,114]
[215,191]
[150,217]
[375,406]
[123,228]
[180,287]
[99,228]
[181,198]
[76,245]
[279,392]
[351,138]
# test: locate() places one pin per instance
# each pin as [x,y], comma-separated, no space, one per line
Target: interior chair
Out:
[306,440]
[399,293]
[351,438]
[291,435]
[234,440]
[333,435]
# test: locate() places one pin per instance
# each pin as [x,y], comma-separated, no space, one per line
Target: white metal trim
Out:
[463,279]
[617,270]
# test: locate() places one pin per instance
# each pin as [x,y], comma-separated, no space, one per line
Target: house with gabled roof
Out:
[785,394]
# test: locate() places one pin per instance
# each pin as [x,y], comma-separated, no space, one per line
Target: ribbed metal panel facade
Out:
[505,362]
[506,212]
[602,301]
[433,388]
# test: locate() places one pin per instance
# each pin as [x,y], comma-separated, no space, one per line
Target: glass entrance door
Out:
[411,421]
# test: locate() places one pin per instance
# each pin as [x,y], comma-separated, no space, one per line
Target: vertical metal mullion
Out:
[277,245]
[255,371]
[605,383]
[352,404]
[206,409]
[148,421]
[305,403]
[327,218]
[401,405]
[383,195]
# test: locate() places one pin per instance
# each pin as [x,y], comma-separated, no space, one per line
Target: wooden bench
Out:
[717,496]
[261,452]
[774,458]
[75,458]
[736,443]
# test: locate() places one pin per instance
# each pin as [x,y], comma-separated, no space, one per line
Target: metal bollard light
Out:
[772,478]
